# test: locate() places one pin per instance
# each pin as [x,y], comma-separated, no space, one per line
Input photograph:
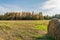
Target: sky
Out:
[48,7]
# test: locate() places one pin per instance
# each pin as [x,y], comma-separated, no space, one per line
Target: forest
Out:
[24,16]
[27,16]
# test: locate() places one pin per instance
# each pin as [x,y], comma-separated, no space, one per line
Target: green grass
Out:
[44,37]
[24,30]
[41,27]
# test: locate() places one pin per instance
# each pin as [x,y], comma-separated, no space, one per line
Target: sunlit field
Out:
[24,30]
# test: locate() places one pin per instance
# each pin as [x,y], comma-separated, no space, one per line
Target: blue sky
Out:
[48,7]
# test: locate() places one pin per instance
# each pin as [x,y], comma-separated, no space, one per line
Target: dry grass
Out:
[23,30]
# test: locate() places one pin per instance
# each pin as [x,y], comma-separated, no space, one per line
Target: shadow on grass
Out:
[44,37]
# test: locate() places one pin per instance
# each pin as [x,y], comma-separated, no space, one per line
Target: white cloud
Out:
[52,4]
[52,7]
[9,8]
[49,7]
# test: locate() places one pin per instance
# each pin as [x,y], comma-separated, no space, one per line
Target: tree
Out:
[1,17]
[40,16]
[47,17]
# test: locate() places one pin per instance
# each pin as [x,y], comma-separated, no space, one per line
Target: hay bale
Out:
[54,29]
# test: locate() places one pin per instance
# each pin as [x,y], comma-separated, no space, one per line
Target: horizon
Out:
[47,7]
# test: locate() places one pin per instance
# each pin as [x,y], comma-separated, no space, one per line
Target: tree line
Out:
[26,16]
[21,16]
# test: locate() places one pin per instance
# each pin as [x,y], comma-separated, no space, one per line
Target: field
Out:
[24,30]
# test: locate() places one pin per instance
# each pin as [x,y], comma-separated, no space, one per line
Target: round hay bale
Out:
[54,29]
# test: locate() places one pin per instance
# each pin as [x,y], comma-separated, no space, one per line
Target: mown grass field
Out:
[24,30]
